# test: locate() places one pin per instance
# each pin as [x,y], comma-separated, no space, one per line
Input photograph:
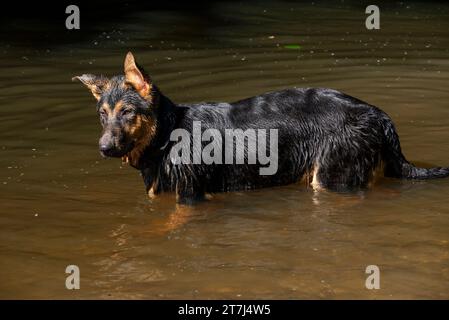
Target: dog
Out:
[330,139]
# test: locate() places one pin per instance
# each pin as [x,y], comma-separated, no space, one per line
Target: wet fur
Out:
[337,140]
[326,137]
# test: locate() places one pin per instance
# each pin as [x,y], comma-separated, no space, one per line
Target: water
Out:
[62,204]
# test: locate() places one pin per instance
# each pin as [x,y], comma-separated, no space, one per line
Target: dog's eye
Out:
[102,113]
[126,112]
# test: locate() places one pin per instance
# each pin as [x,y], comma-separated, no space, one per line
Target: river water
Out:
[62,204]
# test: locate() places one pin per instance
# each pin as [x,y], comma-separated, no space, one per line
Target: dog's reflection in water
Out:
[179,215]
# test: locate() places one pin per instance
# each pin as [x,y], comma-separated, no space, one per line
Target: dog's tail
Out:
[409,171]
[396,165]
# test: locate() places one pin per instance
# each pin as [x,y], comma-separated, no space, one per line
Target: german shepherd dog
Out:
[325,137]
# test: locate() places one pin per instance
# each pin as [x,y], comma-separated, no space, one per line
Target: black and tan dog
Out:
[324,136]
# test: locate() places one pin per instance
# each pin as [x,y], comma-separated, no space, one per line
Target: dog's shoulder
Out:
[209,113]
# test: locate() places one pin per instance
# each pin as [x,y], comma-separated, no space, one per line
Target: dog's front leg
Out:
[189,193]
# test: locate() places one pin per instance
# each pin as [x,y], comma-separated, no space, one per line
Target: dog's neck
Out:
[146,155]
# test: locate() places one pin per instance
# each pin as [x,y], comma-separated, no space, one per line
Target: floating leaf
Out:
[292,46]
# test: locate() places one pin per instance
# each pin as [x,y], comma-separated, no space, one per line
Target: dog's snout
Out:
[105,148]
[106,145]
[112,145]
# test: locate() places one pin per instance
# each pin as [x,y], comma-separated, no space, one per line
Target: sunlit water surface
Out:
[62,204]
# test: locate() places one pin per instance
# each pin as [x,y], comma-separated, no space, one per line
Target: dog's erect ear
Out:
[96,84]
[136,77]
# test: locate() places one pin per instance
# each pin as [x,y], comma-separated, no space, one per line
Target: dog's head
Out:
[126,106]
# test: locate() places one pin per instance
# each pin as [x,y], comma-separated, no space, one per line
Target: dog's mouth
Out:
[126,158]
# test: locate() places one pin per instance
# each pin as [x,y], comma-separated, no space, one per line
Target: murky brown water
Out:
[61,204]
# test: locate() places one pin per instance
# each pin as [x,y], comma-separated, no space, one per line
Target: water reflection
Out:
[61,204]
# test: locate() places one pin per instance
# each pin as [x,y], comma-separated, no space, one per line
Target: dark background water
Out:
[61,204]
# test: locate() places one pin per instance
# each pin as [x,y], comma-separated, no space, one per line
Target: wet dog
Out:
[326,137]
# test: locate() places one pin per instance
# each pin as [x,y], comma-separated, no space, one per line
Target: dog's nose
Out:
[105,148]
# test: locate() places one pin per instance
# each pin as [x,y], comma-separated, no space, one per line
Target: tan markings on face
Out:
[117,108]
[107,108]
[142,131]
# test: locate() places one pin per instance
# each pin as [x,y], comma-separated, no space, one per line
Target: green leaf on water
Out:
[292,46]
